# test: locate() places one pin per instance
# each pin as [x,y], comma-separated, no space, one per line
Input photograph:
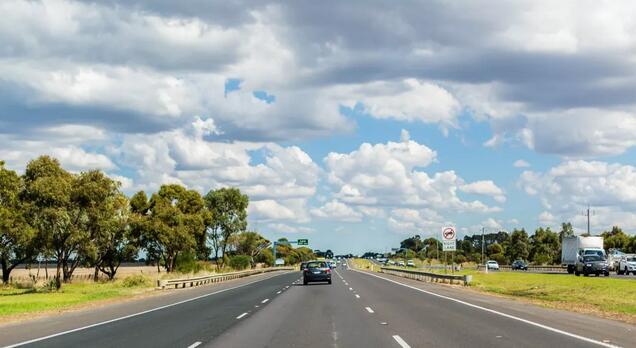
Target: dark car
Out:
[519,265]
[592,264]
[316,271]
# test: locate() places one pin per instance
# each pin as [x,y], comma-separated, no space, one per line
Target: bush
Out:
[240,262]
[135,281]
[187,263]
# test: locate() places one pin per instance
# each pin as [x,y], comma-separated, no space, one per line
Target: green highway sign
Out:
[303,241]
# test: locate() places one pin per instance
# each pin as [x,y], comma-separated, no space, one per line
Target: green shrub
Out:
[135,281]
[187,263]
[240,262]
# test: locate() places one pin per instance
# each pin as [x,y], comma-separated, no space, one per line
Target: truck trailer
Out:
[575,247]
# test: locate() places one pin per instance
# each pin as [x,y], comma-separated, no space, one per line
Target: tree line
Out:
[85,220]
[541,248]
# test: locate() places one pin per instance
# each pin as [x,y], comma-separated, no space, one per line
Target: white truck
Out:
[575,247]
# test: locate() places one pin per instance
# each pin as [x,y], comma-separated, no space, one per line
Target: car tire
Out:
[607,274]
[619,272]
[576,273]
[304,282]
[329,282]
[585,274]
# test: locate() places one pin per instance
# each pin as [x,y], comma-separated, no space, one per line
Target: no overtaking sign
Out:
[448,238]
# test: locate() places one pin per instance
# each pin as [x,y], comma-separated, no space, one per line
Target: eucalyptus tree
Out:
[175,220]
[48,189]
[17,237]
[228,209]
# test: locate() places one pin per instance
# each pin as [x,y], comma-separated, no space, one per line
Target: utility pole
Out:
[482,245]
[587,214]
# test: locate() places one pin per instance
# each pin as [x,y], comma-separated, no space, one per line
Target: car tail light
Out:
[328,270]
[306,270]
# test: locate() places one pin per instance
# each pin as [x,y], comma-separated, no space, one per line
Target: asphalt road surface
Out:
[358,310]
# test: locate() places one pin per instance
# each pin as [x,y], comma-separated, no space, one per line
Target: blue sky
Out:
[353,124]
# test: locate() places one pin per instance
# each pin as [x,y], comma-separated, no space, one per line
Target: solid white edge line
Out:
[529,322]
[401,342]
[134,314]
[241,316]
[195,344]
[265,300]
[369,309]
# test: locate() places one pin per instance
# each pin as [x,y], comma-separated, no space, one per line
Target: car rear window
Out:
[316,265]
[631,259]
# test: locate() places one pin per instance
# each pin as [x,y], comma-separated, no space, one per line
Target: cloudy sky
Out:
[354,124]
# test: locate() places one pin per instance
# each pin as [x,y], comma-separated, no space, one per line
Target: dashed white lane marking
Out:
[241,316]
[401,342]
[529,322]
[350,289]
[278,292]
[357,296]
[195,344]
[287,287]
[369,309]
[39,339]
[265,300]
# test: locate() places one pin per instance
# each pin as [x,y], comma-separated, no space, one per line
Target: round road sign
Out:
[448,233]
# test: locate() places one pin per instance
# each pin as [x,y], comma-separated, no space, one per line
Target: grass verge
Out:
[15,301]
[613,298]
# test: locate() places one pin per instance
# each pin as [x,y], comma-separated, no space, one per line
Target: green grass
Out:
[563,291]
[15,301]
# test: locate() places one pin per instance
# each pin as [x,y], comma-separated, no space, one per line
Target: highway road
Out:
[358,310]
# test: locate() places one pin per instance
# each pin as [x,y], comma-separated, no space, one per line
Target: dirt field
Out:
[22,274]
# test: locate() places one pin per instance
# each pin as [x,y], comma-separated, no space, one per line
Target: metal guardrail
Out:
[531,268]
[214,278]
[428,276]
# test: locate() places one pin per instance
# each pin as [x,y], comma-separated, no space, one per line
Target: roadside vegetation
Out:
[20,299]
[541,248]
[605,296]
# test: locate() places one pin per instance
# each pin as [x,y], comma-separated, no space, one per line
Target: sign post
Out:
[449,243]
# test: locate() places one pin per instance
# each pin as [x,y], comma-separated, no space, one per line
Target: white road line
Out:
[369,309]
[278,292]
[135,314]
[350,289]
[401,342]
[194,345]
[265,300]
[241,316]
[357,296]
[529,322]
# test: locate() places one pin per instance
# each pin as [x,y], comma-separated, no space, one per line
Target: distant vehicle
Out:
[573,248]
[410,263]
[627,264]
[592,264]
[316,271]
[332,264]
[391,263]
[279,262]
[303,265]
[614,256]
[401,264]
[519,265]
[492,264]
